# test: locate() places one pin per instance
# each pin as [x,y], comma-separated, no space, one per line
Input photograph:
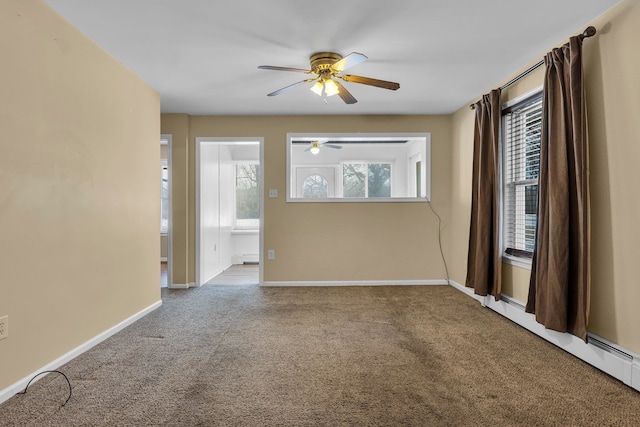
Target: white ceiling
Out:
[202,56]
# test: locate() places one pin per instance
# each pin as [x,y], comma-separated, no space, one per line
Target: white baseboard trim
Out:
[608,357]
[178,286]
[19,386]
[358,283]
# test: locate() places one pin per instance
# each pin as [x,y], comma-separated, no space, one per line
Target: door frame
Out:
[200,141]
[165,139]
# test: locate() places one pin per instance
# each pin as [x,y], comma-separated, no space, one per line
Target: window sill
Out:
[516,261]
[360,200]
[247,231]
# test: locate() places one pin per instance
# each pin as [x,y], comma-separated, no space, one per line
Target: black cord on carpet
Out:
[444,261]
[47,372]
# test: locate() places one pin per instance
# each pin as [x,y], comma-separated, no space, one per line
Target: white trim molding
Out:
[517,261]
[604,355]
[413,137]
[358,283]
[19,386]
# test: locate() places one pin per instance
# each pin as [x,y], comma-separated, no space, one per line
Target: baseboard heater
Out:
[615,361]
[606,356]
[512,302]
[598,342]
[592,339]
[245,259]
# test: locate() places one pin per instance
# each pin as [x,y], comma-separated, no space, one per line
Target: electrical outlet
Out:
[4,327]
[271,254]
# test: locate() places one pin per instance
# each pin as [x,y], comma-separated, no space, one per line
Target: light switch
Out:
[273,193]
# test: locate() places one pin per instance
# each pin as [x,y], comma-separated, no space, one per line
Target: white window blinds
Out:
[522,125]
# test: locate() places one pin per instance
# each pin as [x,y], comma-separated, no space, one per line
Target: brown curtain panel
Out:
[560,274]
[484,263]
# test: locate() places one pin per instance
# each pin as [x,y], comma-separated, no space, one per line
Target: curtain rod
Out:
[589,32]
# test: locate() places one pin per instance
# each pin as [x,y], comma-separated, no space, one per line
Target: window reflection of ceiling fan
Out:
[327,68]
[314,147]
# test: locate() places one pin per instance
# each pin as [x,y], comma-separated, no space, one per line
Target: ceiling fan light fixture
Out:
[315,147]
[317,88]
[331,88]
[326,68]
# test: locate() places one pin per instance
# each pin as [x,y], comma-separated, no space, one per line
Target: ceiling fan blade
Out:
[354,58]
[337,147]
[345,94]
[371,82]
[286,88]
[271,67]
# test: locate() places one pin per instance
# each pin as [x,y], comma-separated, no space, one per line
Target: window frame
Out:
[513,256]
[422,137]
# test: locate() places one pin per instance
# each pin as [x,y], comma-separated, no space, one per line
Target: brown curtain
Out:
[484,263]
[560,274]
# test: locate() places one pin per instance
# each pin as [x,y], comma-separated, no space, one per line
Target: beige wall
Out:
[326,241]
[79,194]
[164,246]
[612,70]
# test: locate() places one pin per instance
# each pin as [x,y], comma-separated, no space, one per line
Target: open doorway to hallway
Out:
[229,209]
[165,211]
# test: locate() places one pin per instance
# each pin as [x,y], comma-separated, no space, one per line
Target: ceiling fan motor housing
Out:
[321,62]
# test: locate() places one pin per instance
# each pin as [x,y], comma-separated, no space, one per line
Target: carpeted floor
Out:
[351,356]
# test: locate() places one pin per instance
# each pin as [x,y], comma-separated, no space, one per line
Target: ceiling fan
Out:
[326,69]
[314,147]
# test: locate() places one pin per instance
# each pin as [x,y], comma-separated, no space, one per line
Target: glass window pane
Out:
[315,187]
[531,199]
[247,192]
[522,130]
[379,180]
[353,179]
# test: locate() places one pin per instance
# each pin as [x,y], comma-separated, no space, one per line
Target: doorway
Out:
[165,211]
[229,205]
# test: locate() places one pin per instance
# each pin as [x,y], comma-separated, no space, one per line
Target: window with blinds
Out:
[522,125]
